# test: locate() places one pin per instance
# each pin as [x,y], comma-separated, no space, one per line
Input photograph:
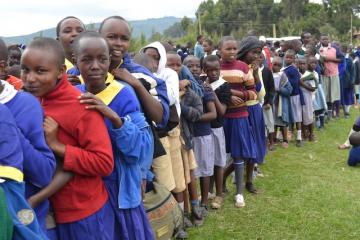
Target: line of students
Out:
[129,122]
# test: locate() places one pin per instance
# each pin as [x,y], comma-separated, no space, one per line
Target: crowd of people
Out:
[100,143]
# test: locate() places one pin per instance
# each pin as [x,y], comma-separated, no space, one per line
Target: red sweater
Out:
[237,75]
[88,154]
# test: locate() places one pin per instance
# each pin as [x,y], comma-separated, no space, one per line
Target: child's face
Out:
[324,41]
[194,67]
[154,54]
[289,59]
[117,34]
[3,69]
[14,57]
[40,71]
[277,65]
[212,70]
[93,61]
[174,62]
[228,51]
[252,56]
[302,65]
[69,29]
[206,46]
[312,63]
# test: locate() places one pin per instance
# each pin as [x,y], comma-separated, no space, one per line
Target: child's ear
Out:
[62,70]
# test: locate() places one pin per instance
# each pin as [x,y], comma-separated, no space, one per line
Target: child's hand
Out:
[51,129]
[183,84]
[236,100]
[95,103]
[73,79]
[125,75]
[34,201]
[266,106]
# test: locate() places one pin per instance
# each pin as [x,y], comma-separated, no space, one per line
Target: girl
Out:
[238,133]
[81,207]
[66,31]
[128,130]
[249,52]
[282,106]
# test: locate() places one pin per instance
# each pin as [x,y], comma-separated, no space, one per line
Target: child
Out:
[192,109]
[4,68]
[154,101]
[308,85]
[249,52]
[86,154]
[66,31]
[18,220]
[296,97]
[128,130]
[347,80]
[14,55]
[282,106]
[39,161]
[193,63]
[222,91]
[268,82]
[238,134]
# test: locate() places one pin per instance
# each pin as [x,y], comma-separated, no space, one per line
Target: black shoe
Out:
[250,187]
[187,222]
[181,234]
[299,143]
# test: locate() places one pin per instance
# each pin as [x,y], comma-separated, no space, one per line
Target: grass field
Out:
[306,193]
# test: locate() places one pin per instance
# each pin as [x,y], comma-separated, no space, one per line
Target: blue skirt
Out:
[239,138]
[132,223]
[99,225]
[256,119]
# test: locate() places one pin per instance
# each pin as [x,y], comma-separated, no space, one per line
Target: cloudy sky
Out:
[19,17]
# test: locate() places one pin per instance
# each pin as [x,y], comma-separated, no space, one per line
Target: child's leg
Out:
[219,175]
[212,180]
[311,132]
[239,174]
[204,187]
[228,170]
[249,177]
[337,108]
[59,180]
[298,135]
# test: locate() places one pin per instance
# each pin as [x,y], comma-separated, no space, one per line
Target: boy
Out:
[88,154]
[39,161]
[191,109]
[222,91]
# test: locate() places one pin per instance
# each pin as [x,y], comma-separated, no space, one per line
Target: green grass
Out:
[307,193]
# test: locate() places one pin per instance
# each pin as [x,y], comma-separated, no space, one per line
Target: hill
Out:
[147,27]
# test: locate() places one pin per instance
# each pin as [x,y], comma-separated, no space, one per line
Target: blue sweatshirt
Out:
[39,161]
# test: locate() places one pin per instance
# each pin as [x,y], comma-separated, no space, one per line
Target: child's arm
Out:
[60,179]
[152,107]
[220,107]
[211,114]
[307,87]
[192,108]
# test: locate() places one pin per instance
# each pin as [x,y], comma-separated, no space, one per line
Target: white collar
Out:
[8,93]
[215,85]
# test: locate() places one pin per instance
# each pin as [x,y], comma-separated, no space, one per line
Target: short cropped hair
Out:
[86,34]
[49,44]
[3,51]
[108,18]
[58,26]
[210,58]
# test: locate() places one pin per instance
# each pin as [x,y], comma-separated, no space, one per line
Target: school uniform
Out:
[191,111]
[309,78]
[130,144]
[256,119]
[223,93]
[81,207]
[16,82]
[268,81]
[282,106]
[347,81]
[239,135]
[204,142]
[39,161]
[319,102]
[21,221]
[296,97]
[70,68]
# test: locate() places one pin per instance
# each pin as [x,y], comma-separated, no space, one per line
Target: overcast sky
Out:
[19,17]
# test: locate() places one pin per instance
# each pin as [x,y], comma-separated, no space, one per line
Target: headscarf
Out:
[246,45]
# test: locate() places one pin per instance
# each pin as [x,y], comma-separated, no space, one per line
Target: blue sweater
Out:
[131,144]
[39,161]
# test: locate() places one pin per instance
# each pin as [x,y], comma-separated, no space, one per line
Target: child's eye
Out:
[40,71]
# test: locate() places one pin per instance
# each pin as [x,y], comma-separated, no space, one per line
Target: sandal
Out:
[343,146]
